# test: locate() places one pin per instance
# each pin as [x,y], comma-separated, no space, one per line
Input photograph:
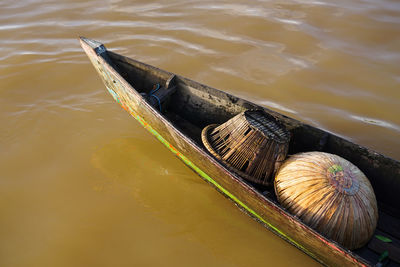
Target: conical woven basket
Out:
[329,194]
[253,144]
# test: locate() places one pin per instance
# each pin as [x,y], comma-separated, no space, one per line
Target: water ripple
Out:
[196,48]
[73,102]
[377,122]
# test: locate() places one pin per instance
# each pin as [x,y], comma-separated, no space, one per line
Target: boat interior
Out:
[191,106]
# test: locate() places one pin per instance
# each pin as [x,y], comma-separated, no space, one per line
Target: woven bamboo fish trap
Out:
[329,194]
[252,144]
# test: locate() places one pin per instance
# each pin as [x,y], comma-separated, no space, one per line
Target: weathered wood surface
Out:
[246,196]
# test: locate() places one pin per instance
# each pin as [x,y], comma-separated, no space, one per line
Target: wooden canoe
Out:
[176,117]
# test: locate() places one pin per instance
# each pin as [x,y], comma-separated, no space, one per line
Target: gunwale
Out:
[230,184]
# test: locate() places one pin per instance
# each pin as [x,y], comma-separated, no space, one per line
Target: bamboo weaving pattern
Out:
[253,143]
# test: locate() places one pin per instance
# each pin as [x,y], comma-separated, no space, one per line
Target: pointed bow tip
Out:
[90,42]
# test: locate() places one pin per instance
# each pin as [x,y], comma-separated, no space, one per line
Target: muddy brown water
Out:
[83,184]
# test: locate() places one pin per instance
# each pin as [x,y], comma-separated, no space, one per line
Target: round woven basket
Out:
[329,194]
[253,144]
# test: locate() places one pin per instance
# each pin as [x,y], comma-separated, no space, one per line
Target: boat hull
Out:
[231,185]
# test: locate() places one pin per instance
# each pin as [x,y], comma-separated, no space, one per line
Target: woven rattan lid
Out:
[329,194]
[253,144]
